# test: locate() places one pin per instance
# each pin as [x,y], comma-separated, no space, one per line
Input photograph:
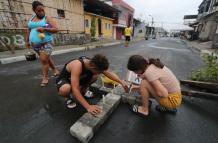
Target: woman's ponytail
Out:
[156,62]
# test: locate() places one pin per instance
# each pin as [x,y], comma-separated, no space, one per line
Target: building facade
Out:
[99,18]
[208,20]
[69,14]
[124,17]
[103,25]
[138,28]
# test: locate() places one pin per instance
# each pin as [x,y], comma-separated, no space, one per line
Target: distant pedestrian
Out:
[78,74]
[159,82]
[39,37]
[127,33]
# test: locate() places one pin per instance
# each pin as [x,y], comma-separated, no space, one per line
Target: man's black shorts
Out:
[62,81]
[127,38]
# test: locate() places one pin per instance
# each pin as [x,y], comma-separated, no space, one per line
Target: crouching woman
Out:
[159,82]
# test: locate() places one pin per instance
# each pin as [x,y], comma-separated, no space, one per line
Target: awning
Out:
[100,8]
[190,17]
[194,24]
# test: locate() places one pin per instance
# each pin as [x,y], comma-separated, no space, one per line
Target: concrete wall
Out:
[16,13]
[209,24]
[10,38]
[215,39]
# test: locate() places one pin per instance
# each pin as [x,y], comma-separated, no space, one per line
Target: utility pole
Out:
[152,24]
[162,29]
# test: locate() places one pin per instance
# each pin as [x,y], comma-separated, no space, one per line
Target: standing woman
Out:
[39,37]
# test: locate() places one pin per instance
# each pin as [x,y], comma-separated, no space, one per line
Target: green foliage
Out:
[210,71]
[93,39]
[93,27]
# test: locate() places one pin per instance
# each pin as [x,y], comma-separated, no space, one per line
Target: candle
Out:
[103,97]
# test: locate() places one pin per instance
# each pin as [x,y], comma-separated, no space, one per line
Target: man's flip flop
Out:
[70,104]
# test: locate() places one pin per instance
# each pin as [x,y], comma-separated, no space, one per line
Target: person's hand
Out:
[135,88]
[40,29]
[125,86]
[94,110]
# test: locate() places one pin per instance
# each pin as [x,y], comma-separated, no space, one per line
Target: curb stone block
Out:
[129,99]
[82,131]
[96,85]
[90,121]
[85,127]
[119,90]
[105,89]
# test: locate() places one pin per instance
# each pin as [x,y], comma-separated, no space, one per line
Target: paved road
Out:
[32,114]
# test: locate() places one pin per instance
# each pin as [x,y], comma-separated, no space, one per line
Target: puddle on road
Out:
[38,120]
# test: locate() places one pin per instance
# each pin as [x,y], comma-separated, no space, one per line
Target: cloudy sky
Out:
[168,12]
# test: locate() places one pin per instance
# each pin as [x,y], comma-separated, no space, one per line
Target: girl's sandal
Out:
[135,109]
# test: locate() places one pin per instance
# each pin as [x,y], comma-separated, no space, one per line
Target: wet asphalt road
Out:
[32,114]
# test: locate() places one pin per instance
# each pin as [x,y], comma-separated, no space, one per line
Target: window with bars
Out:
[61,13]
[106,26]
[87,23]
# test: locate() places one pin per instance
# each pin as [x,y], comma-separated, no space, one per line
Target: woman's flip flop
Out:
[43,84]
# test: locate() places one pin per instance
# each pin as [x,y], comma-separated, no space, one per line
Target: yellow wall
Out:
[106,23]
[107,30]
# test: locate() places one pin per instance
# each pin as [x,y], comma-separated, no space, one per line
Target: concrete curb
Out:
[87,125]
[201,51]
[68,50]
[199,94]
[12,59]
[125,97]
[58,52]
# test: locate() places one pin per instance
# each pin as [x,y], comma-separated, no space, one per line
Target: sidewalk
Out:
[201,47]
[7,57]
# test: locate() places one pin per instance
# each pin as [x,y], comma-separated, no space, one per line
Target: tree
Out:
[93,27]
